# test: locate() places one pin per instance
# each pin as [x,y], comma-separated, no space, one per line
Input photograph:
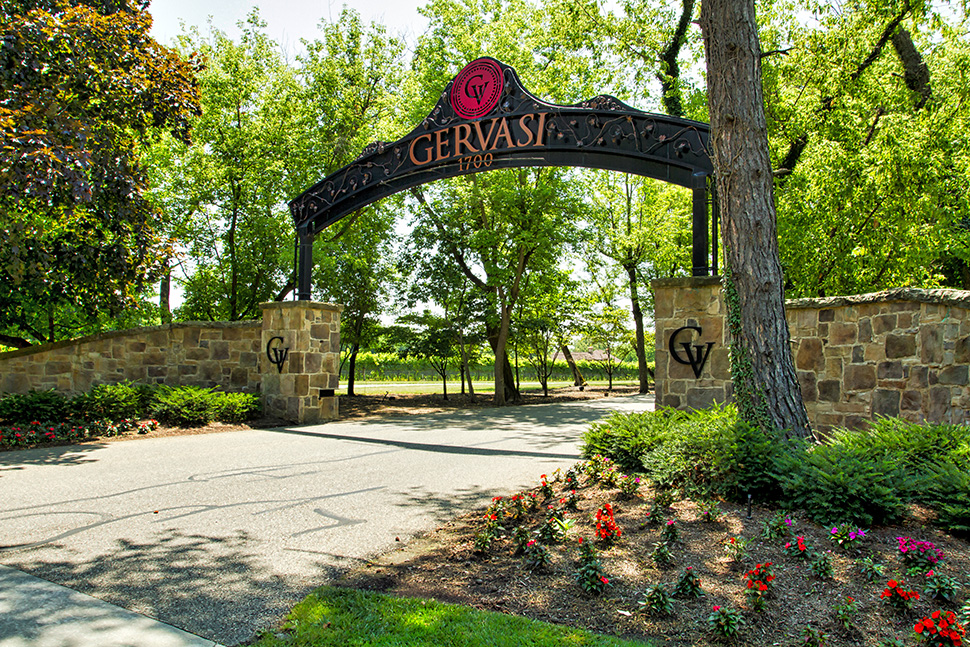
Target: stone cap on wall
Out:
[959,298]
[301,304]
[111,334]
[685,281]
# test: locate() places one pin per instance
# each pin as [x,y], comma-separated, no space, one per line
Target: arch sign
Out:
[486,120]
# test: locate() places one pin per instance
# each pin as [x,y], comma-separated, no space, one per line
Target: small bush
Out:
[623,437]
[713,453]
[836,483]
[43,406]
[235,407]
[108,402]
[184,406]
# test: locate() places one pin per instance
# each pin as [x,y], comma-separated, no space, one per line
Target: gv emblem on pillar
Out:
[277,352]
[695,356]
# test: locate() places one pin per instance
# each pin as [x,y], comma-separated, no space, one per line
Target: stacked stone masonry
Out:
[305,389]
[902,352]
[219,354]
[227,356]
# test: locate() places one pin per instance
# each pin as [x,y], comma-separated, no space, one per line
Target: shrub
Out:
[184,406]
[622,437]
[108,402]
[711,452]
[235,407]
[43,406]
[835,483]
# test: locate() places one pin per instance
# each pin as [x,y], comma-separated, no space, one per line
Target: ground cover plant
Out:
[773,576]
[108,410]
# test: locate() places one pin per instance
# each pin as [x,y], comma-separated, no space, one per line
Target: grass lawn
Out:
[335,616]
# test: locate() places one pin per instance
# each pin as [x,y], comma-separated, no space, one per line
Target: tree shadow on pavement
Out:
[213,587]
[63,455]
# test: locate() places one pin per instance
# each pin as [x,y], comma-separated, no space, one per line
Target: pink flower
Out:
[717,608]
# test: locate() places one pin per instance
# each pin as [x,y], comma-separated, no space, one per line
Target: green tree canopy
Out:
[84,86]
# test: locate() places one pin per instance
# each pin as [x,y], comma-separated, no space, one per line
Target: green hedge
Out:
[184,405]
[861,477]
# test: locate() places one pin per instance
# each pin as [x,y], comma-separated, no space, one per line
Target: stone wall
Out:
[903,352]
[219,354]
[302,388]
[694,301]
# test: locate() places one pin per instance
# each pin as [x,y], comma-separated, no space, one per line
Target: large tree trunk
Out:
[765,384]
[504,380]
[642,370]
[578,379]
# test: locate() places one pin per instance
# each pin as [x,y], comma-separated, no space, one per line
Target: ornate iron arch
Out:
[486,120]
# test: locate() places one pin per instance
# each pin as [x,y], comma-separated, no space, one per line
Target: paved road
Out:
[220,534]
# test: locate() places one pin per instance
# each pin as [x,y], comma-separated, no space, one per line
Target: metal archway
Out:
[486,120]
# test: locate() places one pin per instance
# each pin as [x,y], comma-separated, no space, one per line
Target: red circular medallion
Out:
[477,88]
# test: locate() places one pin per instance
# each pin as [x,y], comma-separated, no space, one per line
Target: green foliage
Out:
[109,402]
[870,569]
[778,526]
[184,406]
[688,585]
[657,601]
[84,87]
[711,452]
[622,437]
[235,407]
[725,623]
[537,556]
[43,406]
[192,406]
[589,571]
[833,483]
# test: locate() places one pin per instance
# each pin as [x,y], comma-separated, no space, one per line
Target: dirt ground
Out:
[444,565]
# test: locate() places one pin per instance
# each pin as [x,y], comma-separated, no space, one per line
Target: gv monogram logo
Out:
[277,352]
[476,90]
[694,356]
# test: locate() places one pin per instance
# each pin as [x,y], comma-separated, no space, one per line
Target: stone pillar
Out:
[300,386]
[706,377]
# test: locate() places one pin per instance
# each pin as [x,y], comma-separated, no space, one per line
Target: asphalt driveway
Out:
[220,534]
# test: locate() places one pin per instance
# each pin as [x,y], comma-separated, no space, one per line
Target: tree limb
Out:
[669,74]
[917,73]
[452,248]
[886,35]
[16,342]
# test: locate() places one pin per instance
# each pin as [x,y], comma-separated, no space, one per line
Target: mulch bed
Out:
[444,565]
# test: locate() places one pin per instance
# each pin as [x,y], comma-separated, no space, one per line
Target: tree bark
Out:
[669,75]
[762,369]
[164,295]
[642,369]
[578,379]
[504,380]
[916,72]
[16,342]
[351,368]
